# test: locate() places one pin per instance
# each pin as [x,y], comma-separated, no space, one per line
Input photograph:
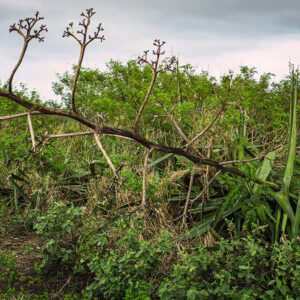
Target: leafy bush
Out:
[8,270]
[246,268]
[125,262]
[58,227]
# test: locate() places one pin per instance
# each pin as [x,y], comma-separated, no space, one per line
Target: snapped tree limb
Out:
[96,127]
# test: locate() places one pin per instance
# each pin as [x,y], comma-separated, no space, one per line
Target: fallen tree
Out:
[26,28]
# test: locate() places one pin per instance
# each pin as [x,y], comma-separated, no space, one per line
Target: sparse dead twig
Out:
[73,134]
[60,290]
[243,161]
[177,127]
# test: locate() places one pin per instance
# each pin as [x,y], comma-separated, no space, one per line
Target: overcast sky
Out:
[214,35]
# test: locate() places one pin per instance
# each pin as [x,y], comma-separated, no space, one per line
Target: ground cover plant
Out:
[148,181]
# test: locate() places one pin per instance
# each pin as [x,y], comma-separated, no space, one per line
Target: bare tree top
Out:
[25,28]
[86,39]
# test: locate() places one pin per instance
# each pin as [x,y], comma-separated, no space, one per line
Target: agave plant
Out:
[282,196]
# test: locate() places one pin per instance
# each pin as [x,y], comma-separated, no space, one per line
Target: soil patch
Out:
[24,246]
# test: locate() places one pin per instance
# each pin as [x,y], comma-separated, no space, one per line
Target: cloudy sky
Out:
[214,35]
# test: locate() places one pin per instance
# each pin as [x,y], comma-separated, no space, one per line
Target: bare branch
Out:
[63,135]
[243,161]
[154,65]
[31,130]
[169,65]
[144,102]
[206,187]
[188,195]
[73,134]
[208,126]
[19,115]
[181,133]
[69,32]
[97,35]
[222,108]
[144,196]
[25,28]
[105,155]
[86,39]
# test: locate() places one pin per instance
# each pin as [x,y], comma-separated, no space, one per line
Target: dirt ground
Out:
[24,246]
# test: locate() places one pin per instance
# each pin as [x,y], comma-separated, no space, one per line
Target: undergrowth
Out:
[222,238]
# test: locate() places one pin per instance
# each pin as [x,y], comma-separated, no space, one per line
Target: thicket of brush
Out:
[190,192]
[233,241]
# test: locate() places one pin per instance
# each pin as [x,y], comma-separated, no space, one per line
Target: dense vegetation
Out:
[152,225]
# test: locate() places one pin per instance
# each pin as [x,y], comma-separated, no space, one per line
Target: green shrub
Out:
[58,227]
[246,268]
[126,262]
[8,270]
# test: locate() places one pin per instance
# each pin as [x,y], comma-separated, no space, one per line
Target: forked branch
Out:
[83,42]
[25,28]
[216,117]
[154,64]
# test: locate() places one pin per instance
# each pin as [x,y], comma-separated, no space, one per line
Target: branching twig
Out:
[206,187]
[155,69]
[181,133]
[86,39]
[64,285]
[25,29]
[188,145]
[222,108]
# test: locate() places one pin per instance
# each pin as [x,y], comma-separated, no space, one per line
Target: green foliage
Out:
[58,227]
[127,257]
[246,268]
[138,291]
[10,107]
[125,260]
[246,203]
[8,270]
